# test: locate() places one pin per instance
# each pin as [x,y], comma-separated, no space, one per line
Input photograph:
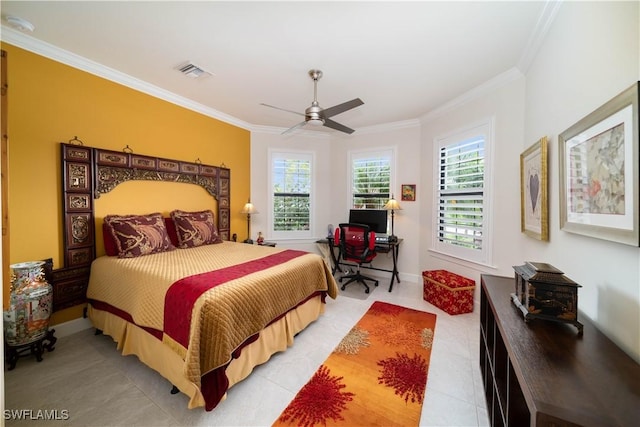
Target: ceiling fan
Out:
[318,116]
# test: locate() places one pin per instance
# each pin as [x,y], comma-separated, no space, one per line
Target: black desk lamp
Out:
[249,209]
[392,205]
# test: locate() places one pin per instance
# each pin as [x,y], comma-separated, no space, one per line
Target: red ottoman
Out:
[448,291]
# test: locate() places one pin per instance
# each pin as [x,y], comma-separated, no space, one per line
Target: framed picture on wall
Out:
[599,184]
[534,203]
[408,192]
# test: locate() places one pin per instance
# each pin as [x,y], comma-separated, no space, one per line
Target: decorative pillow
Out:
[137,235]
[195,228]
[110,246]
[171,229]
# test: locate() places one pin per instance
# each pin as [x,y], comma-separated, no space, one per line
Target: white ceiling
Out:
[403,59]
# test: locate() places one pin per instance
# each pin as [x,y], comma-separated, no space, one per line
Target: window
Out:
[291,182]
[370,179]
[462,218]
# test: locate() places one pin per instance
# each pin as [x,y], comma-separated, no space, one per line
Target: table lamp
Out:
[249,209]
[392,205]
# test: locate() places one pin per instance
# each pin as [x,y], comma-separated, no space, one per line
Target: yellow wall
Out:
[51,103]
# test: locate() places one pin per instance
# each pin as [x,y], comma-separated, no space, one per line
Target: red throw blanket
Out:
[178,310]
[183,294]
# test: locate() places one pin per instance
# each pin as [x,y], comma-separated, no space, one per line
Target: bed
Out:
[197,308]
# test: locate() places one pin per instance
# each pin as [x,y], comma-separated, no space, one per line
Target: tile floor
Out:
[86,375]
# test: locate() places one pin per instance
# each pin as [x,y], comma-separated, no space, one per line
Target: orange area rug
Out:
[376,376]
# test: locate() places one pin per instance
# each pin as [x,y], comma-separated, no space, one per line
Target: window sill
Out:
[476,265]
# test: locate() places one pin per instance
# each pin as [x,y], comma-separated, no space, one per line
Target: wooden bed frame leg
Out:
[174,390]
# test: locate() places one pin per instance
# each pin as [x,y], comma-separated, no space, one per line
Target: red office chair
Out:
[357,244]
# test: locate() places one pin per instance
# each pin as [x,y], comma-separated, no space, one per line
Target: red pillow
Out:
[111,249]
[137,235]
[195,228]
[171,230]
[110,246]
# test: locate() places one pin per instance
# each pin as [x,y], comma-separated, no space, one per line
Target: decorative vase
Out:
[27,318]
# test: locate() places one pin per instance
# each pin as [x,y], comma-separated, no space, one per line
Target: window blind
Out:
[291,194]
[371,182]
[461,194]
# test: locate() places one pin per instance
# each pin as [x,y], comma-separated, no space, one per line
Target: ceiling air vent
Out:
[193,71]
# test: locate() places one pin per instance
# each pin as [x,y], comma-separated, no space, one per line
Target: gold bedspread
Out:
[224,316]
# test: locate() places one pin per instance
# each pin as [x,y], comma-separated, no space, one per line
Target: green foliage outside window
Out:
[462,193]
[291,194]
[371,183]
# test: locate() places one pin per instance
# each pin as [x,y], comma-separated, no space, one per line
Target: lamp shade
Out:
[392,205]
[249,209]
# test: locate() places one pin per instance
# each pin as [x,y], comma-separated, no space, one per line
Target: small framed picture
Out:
[408,192]
[534,210]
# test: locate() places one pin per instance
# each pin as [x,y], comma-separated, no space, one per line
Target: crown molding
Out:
[387,127]
[477,92]
[23,41]
[546,18]
[274,130]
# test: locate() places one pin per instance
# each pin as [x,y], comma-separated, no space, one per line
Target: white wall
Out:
[404,138]
[591,53]
[319,144]
[504,104]
[331,193]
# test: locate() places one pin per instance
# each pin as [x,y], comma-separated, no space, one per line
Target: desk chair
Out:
[357,244]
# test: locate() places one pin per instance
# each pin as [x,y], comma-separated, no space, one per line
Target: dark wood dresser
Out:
[543,374]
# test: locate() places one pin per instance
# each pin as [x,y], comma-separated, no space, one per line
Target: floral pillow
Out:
[195,228]
[138,235]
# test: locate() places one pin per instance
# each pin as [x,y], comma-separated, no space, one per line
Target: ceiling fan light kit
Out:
[316,115]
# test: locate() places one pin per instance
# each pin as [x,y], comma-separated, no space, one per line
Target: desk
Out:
[381,247]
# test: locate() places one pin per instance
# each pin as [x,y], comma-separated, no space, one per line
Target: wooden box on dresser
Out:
[542,373]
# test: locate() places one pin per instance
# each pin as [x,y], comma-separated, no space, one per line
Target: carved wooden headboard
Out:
[88,173]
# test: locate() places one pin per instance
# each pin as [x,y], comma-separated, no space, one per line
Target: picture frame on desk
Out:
[599,178]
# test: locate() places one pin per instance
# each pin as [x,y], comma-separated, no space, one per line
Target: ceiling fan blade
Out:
[341,108]
[291,129]
[278,108]
[337,126]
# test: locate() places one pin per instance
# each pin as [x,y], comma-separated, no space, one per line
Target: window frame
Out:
[482,256]
[291,155]
[382,152]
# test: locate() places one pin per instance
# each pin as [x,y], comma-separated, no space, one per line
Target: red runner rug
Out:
[376,376]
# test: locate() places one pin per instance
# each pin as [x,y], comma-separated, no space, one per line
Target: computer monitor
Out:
[376,219]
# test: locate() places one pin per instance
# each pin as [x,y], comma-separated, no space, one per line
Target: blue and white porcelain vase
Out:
[27,318]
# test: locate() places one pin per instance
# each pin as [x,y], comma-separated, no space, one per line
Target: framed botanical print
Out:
[408,192]
[599,184]
[534,203]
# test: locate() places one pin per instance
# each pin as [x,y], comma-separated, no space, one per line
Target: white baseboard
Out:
[71,327]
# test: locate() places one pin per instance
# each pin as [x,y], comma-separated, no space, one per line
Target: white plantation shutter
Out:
[370,179]
[291,183]
[461,190]
[461,197]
